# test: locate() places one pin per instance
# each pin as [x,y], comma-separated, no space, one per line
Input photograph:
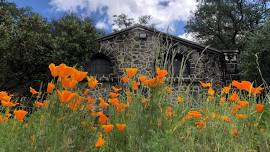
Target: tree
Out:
[255,60]
[29,43]
[122,21]
[224,23]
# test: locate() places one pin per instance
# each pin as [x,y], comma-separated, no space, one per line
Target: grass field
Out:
[145,114]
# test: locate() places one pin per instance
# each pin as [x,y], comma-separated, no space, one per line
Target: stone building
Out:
[147,48]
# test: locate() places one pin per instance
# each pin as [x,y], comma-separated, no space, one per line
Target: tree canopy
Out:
[224,23]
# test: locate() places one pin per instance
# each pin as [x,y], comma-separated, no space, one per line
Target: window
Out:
[179,64]
[100,66]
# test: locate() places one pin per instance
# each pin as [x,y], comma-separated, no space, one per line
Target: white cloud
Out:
[189,36]
[163,16]
[102,25]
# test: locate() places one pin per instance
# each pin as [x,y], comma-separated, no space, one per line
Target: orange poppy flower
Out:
[79,75]
[107,128]
[241,116]
[121,107]
[102,118]
[200,124]
[92,82]
[259,108]
[143,78]
[161,73]
[7,104]
[68,83]
[53,70]
[114,95]
[169,112]
[103,103]
[50,87]
[222,100]
[90,99]
[243,104]
[125,79]
[86,92]
[135,85]
[131,72]
[41,104]
[180,99]
[20,114]
[234,132]
[169,90]
[113,101]
[226,90]
[33,91]
[65,96]
[194,114]
[115,89]
[65,71]
[237,85]
[246,85]
[257,90]
[100,142]
[4,96]
[206,84]
[211,91]
[234,97]
[121,127]
[226,119]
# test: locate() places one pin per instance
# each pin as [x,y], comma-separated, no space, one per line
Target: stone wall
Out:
[146,50]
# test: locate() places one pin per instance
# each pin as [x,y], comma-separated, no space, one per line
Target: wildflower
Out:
[53,70]
[234,97]
[113,101]
[114,95]
[103,103]
[68,83]
[65,96]
[20,114]
[211,91]
[100,142]
[115,89]
[107,128]
[257,90]
[169,90]
[90,99]
[169,112]
[86,92]
[234,132]
[236,108]
[222,100]
[125,79]
[7,104]
[200,124]
[121,127]
[237,85]
[64,71]
[50,87]
[135,85]
[102,118]
[226,90]
[143,78]
[79,75]
[41,104]
[180,99]
[226,119]
[259,108]
[121,107]
[243,104]
[33,91]
[206,84]
[4,96]
[241,116]
[131,72]
[92,82]
[195,114]
[161,73]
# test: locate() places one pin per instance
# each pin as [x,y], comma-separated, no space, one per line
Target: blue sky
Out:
[166,14]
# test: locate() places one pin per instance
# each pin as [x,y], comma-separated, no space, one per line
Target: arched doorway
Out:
[100,65]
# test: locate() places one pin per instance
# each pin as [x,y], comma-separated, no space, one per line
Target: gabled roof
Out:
[178,39]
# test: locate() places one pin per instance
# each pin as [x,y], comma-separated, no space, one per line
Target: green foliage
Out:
[29,43]
[257,55]
[224,23]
